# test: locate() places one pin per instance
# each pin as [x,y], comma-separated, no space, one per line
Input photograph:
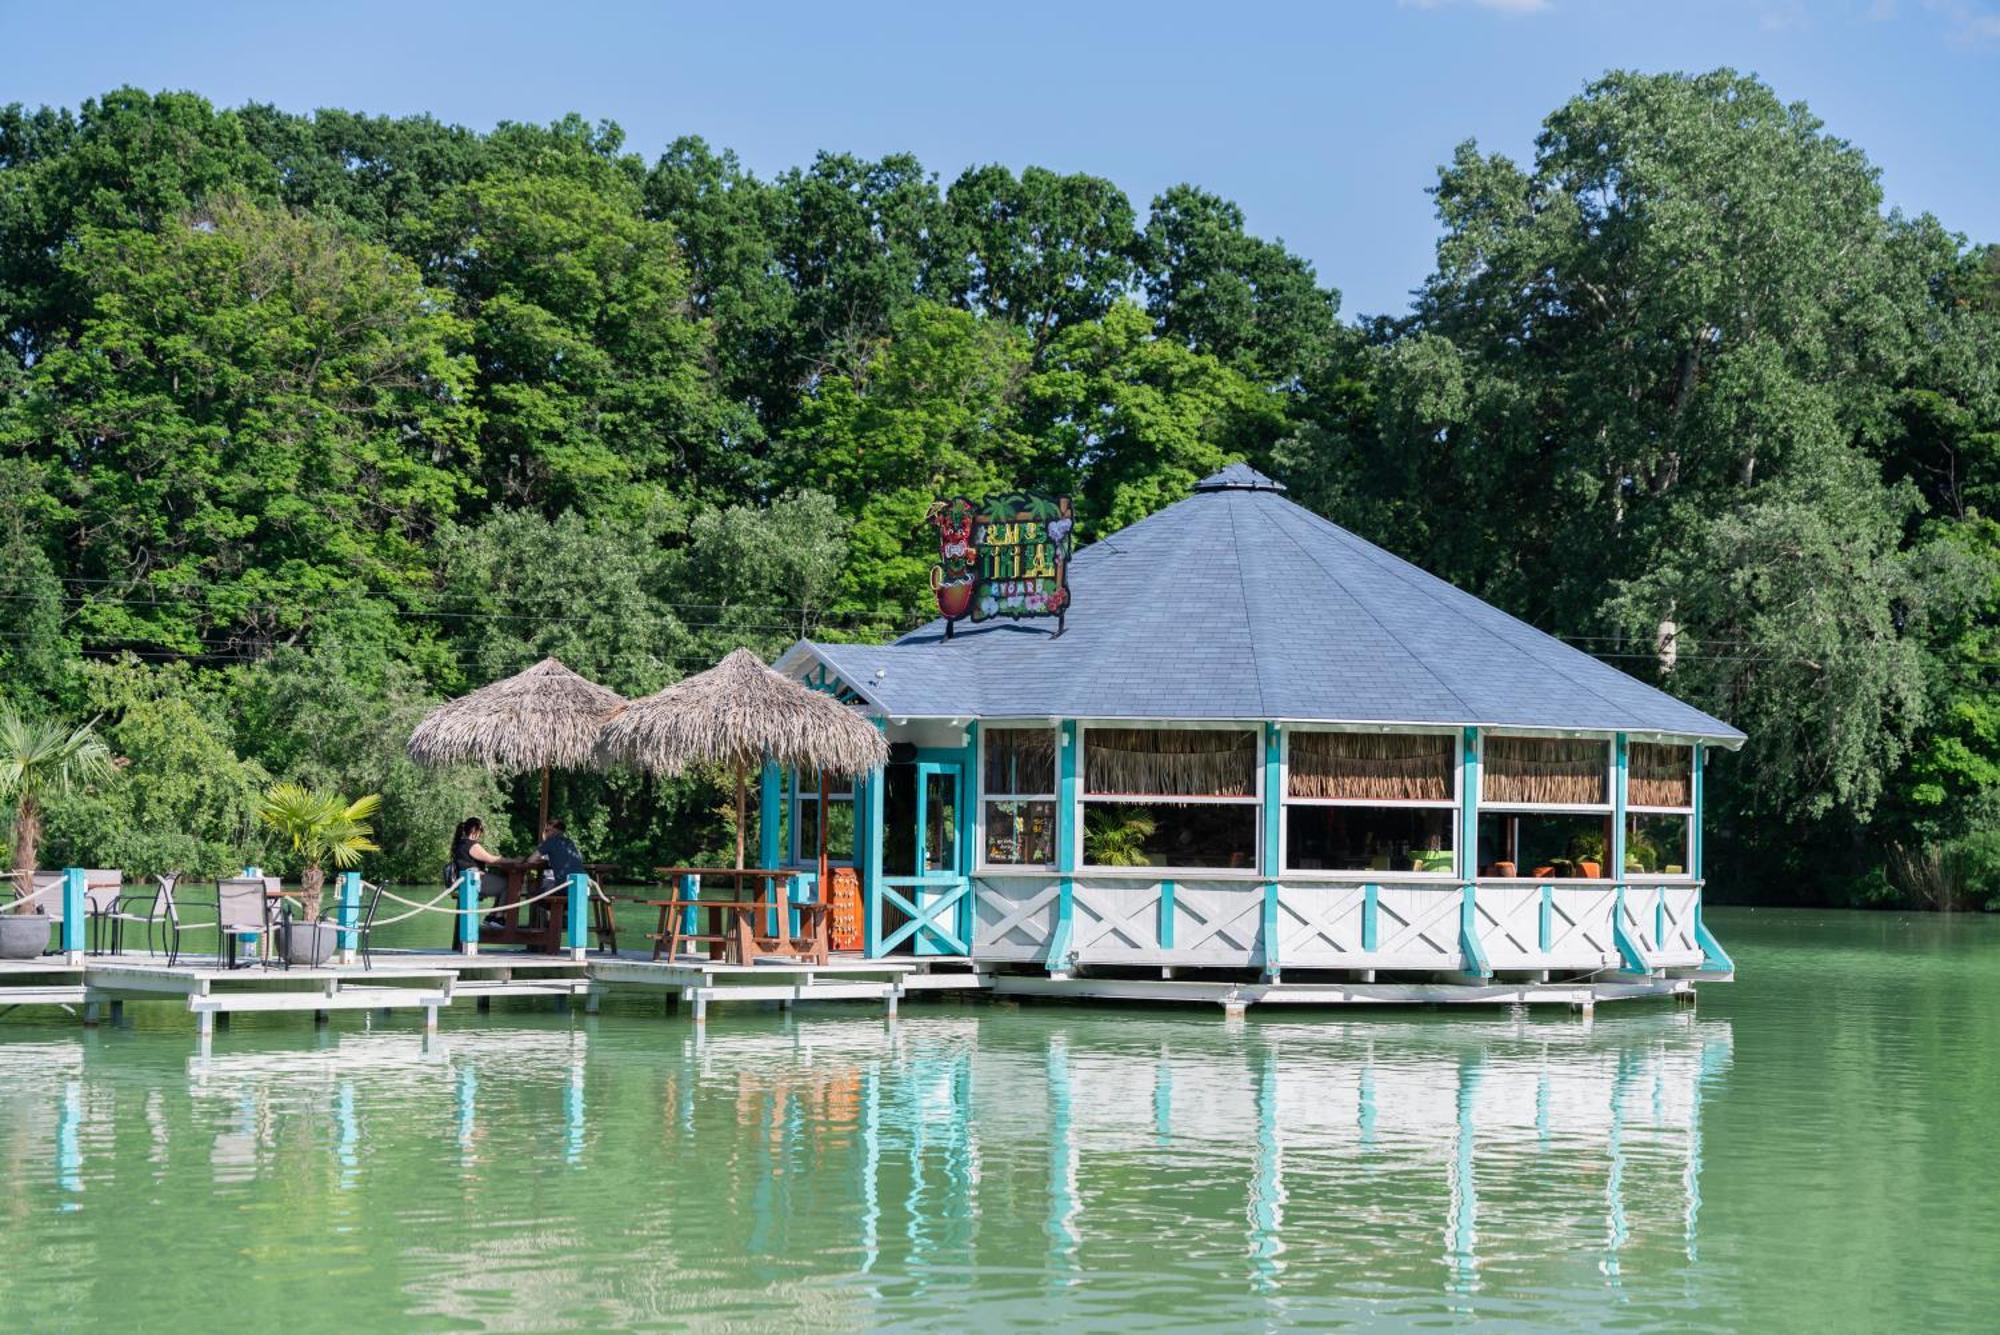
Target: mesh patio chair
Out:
[242,908]
[364,926]
[164,918]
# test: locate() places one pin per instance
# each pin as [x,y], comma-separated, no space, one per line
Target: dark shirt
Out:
[461,854]
[559,851]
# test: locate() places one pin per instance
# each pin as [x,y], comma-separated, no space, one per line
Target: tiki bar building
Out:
[1259,757]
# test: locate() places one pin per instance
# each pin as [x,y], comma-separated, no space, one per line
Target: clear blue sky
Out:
[1325,121]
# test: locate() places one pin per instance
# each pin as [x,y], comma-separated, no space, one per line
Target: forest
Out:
[310,421]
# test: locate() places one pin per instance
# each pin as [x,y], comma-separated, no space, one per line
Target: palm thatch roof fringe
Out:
[545,717]
[1660,775]
[1552,770]
[1380,766]
[1172,763]
[740,713]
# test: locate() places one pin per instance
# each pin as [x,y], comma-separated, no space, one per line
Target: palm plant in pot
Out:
[40,760]
[1116,836]
[321,827]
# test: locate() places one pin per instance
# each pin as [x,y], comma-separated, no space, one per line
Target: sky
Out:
[1325,121]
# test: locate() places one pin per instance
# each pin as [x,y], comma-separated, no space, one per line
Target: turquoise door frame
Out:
[937,901]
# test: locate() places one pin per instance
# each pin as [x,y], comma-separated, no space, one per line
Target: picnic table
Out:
[541,929]
[737,926]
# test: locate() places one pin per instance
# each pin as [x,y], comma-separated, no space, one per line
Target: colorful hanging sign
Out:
[1007,556]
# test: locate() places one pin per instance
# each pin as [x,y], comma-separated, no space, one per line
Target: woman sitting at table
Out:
[469,854]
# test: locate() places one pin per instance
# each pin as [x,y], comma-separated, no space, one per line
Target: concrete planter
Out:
[24,936]
[311,944]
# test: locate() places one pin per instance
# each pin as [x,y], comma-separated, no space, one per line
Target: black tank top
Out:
[461,853]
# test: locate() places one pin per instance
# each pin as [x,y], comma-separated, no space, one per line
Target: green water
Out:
[1814,1148]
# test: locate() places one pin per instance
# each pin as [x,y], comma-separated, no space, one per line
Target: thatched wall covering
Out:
[1659,775]
[1546,771]
[1170,762]
[1020,760]
[1367,765]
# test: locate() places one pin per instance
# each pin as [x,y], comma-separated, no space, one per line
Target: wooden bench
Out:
[733,923]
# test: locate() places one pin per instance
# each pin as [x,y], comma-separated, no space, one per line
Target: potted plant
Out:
[1116,836]
[40,759]
[321,827]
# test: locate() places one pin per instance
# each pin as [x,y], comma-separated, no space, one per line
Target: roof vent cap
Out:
[1239,477]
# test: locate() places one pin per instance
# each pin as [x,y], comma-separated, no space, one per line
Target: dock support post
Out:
[890,1004]
[204,1025]
[579,899]
[483,1004]
[1235,1008]
[349,914]
[117,1011]
[91,1013]
[72,914]
[700,1007]
[430,1019]
[591,1000]
[468,911]
[322,1017]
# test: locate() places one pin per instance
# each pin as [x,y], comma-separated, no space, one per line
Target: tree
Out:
[1044,250]
[320,827]
[592,370]
[259,414]
[1136,421]
[1217,290]
[42,760]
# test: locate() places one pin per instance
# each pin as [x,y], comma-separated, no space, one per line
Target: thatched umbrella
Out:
[543,718]
[740,713]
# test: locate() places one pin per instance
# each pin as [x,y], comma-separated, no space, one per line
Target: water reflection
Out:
[858,1171]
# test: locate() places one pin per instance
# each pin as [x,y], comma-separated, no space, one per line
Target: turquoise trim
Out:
[348,911]
[1068,795]
[1659,919]
[1270,929]
[1274,799]
[1620,771]
[770,809]
[1371,910]
[924,912]
[72,910]
[468,907]
[972,790]
[1468,933]
[1546,935]
[1714,958]
[690,889]
[1468,801]
[579,895]
[1694,855]
[1628,950]
[1058,958]
[868,843]
[1166,915]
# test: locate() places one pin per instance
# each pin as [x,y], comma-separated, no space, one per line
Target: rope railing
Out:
[479,910]
[31,896]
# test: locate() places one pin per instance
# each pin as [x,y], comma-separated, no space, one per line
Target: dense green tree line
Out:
[306,421]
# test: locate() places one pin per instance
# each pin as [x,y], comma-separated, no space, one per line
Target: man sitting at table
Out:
[559,856]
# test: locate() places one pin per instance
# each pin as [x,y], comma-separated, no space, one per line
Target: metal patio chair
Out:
[242,908]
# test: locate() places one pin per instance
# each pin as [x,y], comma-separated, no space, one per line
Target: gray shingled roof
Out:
[1238,604]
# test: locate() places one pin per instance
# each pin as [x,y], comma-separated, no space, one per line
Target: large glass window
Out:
[1556,845]
[1545,807]
[1383,802]
[1659,805]
[1019,793]
[1170,797]
[839,815]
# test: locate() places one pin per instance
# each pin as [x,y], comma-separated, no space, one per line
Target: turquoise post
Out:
[1618,773]
[1546,928]
[1468,800]
[1166,915]
[1069,814]
[348,913]
[1468,933]
[72,912]
[770,791]
[970,808]
[1694,834]
[868,841]
[690,916]
[579,898]
[1273,829]
[468,911]
[1370,916]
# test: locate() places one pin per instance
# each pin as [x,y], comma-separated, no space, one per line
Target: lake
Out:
[1812,1147]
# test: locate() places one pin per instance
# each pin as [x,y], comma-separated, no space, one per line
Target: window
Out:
[1659,805]
[1545,807]
[1170,797]
[840,821]
[1384,802]
[1019,793]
